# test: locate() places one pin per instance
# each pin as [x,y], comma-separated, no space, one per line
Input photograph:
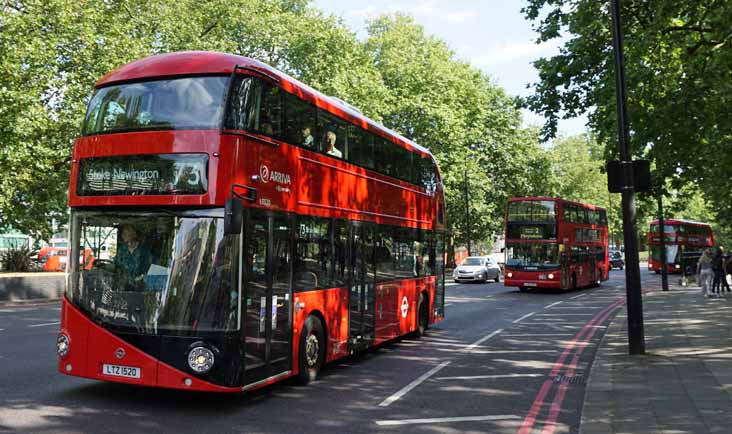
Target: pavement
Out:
[683,383]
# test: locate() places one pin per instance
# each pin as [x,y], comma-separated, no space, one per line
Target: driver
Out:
[133,257]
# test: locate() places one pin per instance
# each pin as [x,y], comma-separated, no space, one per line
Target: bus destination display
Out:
[157,174]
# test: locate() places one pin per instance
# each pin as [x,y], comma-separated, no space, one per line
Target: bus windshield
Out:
[157,272]
[532,211]
[182,103]
[529,256]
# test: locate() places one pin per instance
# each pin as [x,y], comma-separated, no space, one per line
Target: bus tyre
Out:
[312,349]
[573,285]
[423,315]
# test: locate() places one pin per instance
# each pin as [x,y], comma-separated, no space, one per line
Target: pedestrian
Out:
[704,273]
[718,267]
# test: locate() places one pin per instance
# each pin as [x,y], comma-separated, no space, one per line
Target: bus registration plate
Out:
[121,371]
[530,284]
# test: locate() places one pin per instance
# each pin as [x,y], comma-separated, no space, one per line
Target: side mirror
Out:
[233,216]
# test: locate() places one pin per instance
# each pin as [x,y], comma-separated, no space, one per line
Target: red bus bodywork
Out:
[581,260]
[316,185]
[681,237]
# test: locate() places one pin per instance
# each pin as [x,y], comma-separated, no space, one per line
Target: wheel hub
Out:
[312,350]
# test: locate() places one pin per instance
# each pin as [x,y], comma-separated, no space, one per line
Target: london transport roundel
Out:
[405,306]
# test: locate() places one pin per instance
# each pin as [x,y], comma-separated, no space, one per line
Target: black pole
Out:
[467,209]
[636,340]
[662,231]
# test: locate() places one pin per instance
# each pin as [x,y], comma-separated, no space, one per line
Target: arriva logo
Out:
[280,178]
[264,173]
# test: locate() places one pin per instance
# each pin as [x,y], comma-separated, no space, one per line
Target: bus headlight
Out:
[509,275]
[200,360]
[677,266]
[62,345]
[550,276]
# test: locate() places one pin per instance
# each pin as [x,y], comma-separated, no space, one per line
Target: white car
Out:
[477,268]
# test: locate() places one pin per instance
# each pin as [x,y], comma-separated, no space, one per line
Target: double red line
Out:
[580,341]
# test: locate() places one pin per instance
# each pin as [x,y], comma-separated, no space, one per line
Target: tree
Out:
[678,56]
[53,51]
[470,124]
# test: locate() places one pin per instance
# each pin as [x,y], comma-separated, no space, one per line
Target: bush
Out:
[19,259]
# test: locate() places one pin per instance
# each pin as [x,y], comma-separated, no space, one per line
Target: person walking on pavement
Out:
[704,273]
[718,266]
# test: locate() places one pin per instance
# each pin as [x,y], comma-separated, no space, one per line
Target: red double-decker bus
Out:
[683,239]
[247,228]
[555,243]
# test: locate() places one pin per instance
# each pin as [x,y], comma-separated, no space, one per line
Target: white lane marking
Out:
[491,377]
[563,314]
[2,330]
[448,304]
[553,304]
[447,419]
[472,346]
[577,296]
[516,321]
[388,401]
[537,335]
[45,324]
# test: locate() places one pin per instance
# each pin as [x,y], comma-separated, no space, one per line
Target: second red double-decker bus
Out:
[555,243]
[683,239]
[246,227]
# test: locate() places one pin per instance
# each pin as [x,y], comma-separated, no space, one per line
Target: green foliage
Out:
[678,57]
[470,124]
[18,259]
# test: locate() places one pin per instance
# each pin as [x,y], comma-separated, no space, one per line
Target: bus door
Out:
[564,267]
[267,302]
[361,289]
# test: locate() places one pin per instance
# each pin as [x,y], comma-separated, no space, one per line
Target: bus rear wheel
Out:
[312,349]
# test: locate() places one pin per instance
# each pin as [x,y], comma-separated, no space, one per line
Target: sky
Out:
[489,34]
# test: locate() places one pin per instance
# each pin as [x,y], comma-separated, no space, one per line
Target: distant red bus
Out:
[682,238]
[555,243]
[253,229]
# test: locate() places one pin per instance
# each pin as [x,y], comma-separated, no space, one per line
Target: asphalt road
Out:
[501,362]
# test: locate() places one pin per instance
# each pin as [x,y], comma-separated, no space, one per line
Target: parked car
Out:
[477,268]
[616,260]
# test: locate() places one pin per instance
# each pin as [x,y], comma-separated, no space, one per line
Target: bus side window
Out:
[383,156]
[360,147]
[300,122]
[255,106]
[332,135]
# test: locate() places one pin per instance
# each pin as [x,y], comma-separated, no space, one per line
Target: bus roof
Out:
[555,199]
[681,222]
[186,63]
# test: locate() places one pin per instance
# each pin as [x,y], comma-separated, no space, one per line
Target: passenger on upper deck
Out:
[307,138]
[330,141]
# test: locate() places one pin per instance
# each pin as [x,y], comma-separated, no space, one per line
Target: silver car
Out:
[477,268]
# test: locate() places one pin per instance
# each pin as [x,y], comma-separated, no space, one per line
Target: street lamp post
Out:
[636,340]
[467,209]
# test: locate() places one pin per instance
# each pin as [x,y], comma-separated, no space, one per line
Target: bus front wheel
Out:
[312,349]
